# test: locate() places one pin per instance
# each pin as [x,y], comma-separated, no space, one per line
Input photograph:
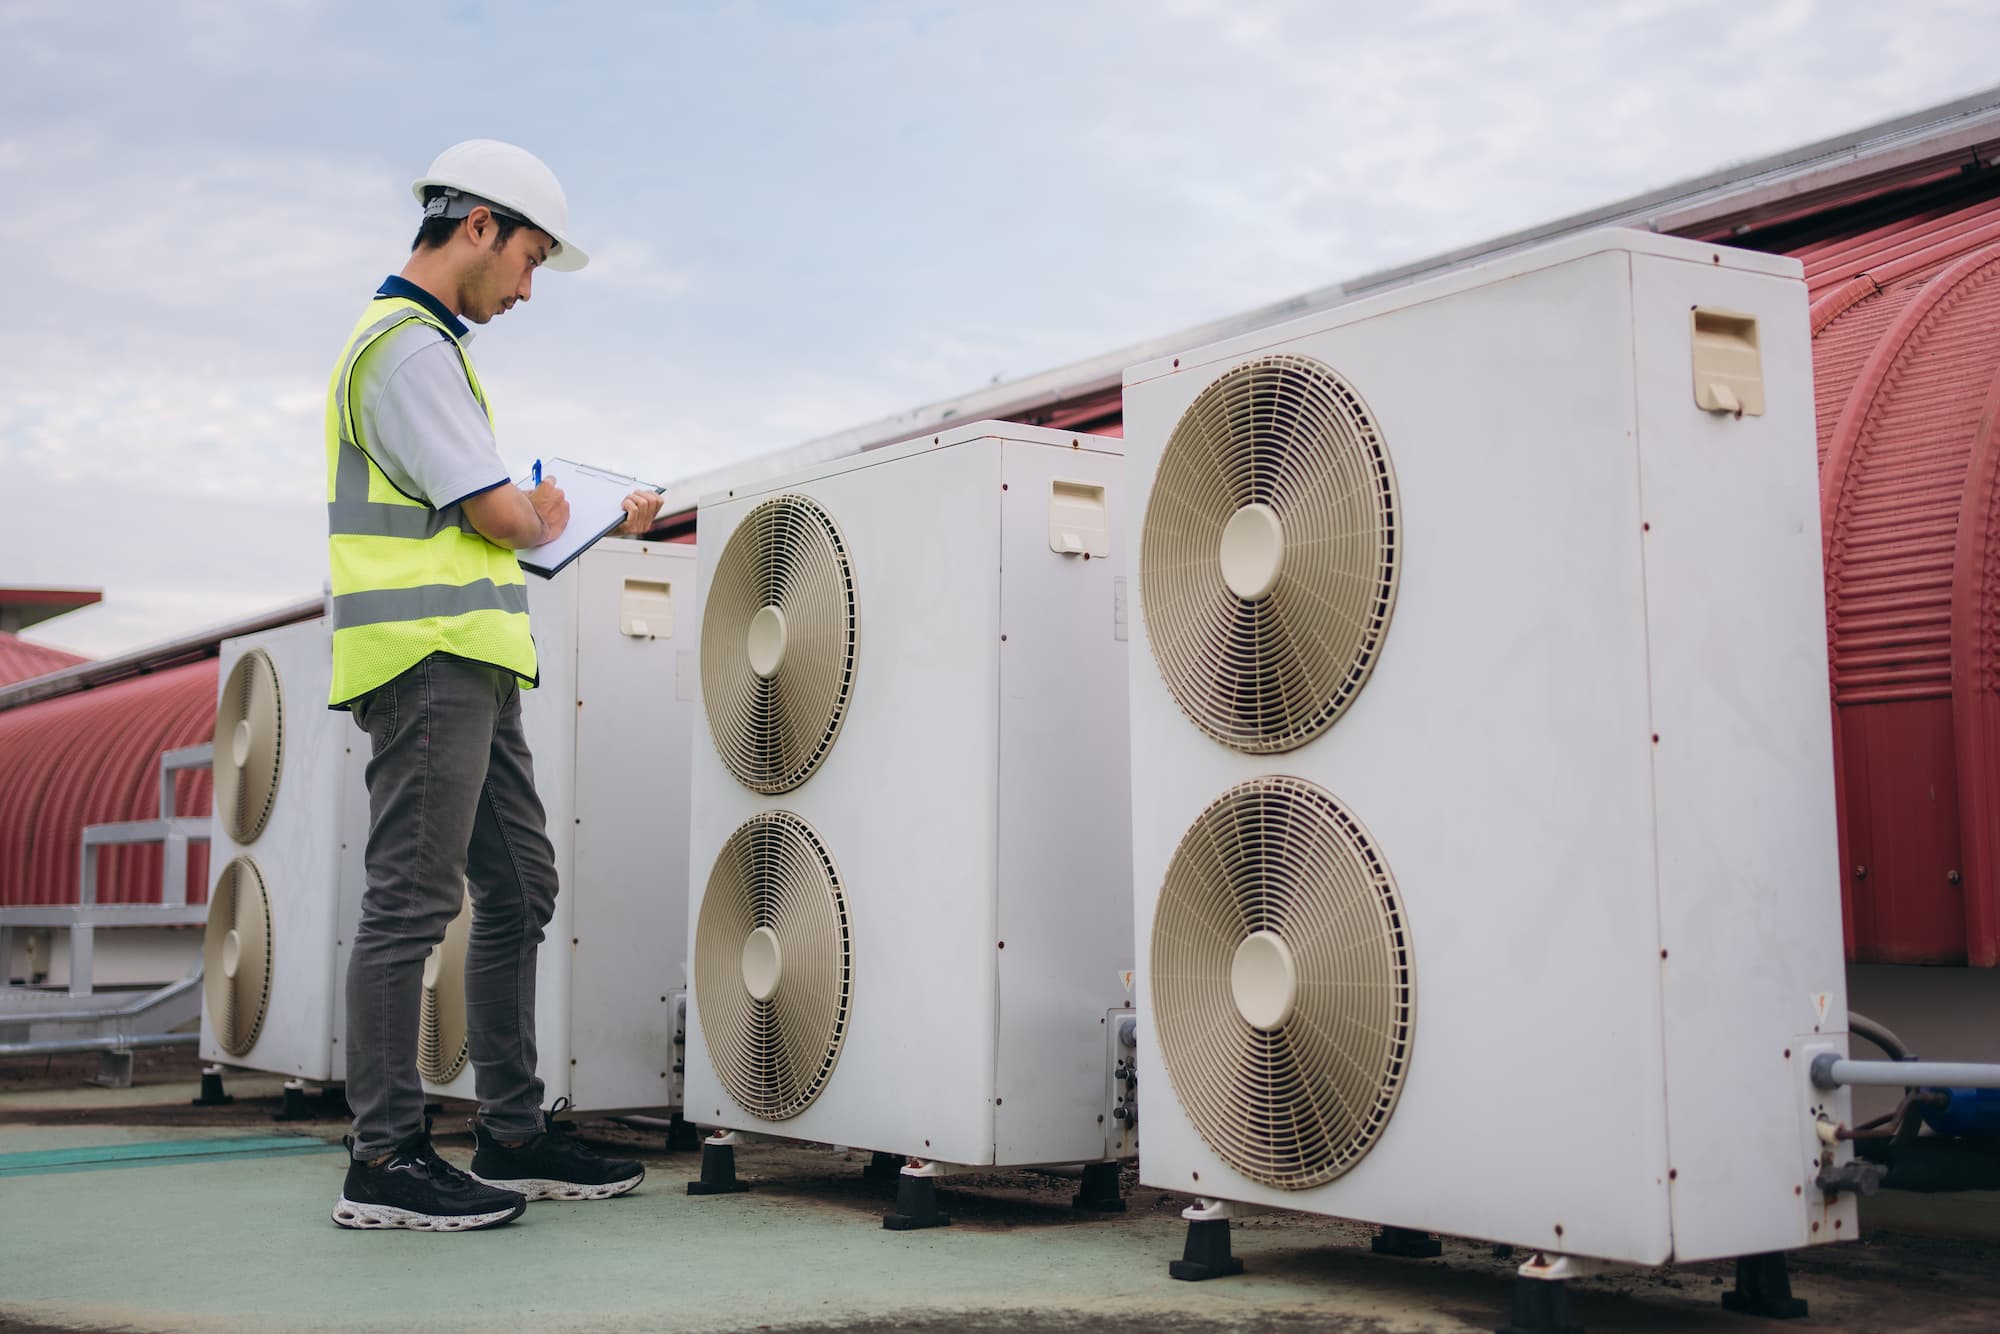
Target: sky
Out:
[801,217]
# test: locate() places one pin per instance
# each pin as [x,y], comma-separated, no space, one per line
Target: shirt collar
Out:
[397,285]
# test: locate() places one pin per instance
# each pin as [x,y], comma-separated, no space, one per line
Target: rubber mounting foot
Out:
[916,1205]
[1540,1306]
[718,1172]
[1764,1288]
[1206,1254]
[211,1091]
[1406,1244]
[1099,1194]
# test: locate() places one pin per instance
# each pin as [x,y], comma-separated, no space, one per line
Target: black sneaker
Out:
[416,1189]
[552,1165]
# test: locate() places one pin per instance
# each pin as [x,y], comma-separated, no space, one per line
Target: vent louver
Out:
[441,1032]
[774,965]
[236,956]
[1283,983]
[249,746]
[778,644]
[1270,554]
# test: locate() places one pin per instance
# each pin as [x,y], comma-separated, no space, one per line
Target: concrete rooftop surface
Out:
[132,1210]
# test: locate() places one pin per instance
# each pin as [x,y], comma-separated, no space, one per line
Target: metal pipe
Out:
[645,1122]
[1863,1027]
[63,1046]
[1830,1072]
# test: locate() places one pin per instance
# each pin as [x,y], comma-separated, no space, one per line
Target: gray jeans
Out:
[451,800]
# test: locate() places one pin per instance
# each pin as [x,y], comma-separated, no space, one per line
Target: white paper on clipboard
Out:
[596,506]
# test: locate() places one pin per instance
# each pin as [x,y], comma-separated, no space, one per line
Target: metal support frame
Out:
[82,918]
[144,1020]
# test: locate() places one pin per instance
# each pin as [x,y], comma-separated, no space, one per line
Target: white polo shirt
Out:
[418,418]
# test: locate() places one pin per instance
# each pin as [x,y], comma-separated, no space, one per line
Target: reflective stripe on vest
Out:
[409,580]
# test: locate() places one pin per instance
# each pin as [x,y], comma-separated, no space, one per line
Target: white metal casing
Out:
[975,803]
[1622,947]
[609,729]
[309,855]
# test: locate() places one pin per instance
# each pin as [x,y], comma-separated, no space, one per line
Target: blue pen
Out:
[538,472]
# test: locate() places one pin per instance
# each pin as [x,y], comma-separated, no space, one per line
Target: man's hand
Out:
[641,509]
[507,516]
[552,507]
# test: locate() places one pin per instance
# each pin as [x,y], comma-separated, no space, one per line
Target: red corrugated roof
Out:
[93,758]
[1906,358]
[21,661]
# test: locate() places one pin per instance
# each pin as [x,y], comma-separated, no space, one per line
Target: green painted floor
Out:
[222,1225]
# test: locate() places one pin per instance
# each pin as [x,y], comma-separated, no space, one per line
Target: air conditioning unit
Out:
[290,818]
[609,727]
[910,871]
[1484,820]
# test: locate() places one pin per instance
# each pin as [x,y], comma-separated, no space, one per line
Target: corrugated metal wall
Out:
[93,758]
[1906,319]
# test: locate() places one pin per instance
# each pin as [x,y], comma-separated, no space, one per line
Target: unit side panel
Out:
[1065,868]
[548,717]
[1750,885]
[1498,757]
[905,804]
[350,873]
[628,917]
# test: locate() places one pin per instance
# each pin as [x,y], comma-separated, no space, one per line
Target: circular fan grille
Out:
[441,1033]
[249,746]
[1269,555]
[778,641]
[774,965]
[236,956]
[1284,989]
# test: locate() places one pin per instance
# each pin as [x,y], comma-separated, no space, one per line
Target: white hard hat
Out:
[486,171]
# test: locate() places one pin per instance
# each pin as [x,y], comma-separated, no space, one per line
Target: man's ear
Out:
[479,225]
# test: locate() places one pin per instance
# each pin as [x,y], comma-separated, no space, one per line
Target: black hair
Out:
[436,231]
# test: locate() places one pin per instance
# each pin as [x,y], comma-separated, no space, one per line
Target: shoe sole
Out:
[383,1217]
[542,1188]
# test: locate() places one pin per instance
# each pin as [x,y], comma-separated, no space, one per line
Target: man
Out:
[431,650]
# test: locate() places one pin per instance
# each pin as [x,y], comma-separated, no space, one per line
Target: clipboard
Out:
[596,507]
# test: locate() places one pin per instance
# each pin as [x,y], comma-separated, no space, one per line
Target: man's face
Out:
[500,275]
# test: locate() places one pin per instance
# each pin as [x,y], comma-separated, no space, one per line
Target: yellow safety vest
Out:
[409,580]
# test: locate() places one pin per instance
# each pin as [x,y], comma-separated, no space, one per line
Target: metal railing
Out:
[32,1021]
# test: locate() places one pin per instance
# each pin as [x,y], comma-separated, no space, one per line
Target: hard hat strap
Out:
[447,202]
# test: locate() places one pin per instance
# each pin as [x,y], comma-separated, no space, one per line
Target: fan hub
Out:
[1253,552]
[763,963]
[1264,981]
[766,641]
[239,743]
[232,954]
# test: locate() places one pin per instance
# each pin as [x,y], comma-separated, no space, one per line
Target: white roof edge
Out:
[174,652]
[745,486]
[1736,197]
